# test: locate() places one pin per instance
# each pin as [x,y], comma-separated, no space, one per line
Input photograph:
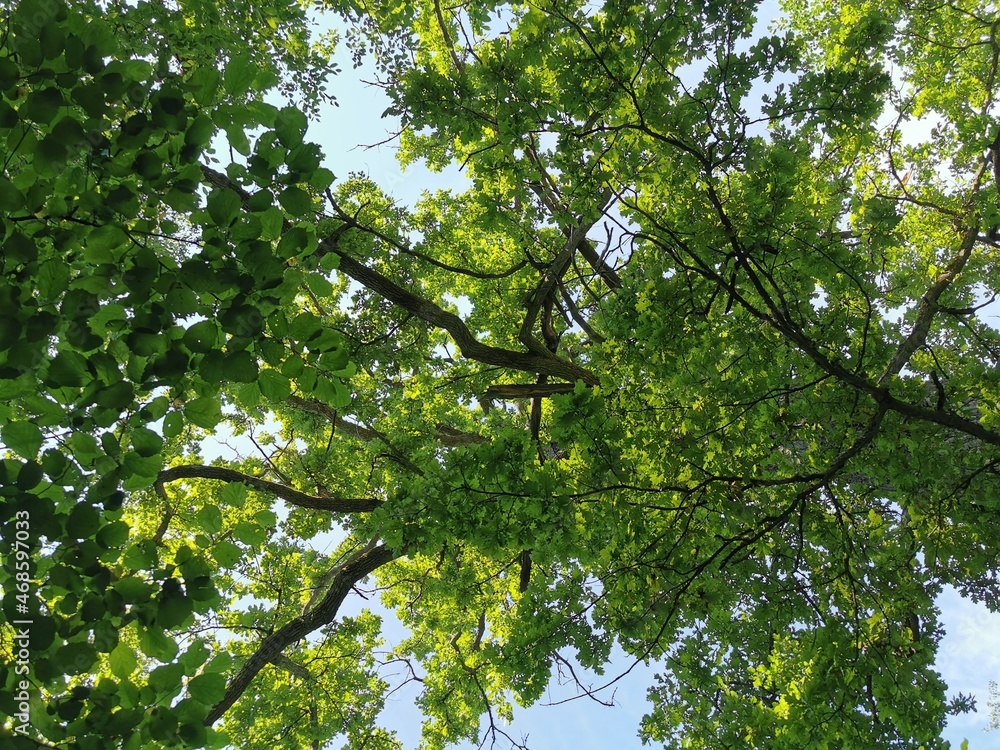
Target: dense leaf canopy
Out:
[699,366]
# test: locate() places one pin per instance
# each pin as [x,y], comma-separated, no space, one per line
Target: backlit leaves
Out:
[695,368]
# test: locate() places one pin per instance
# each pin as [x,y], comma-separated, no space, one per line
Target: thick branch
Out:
[288,494]
[354,569]
[526,390]
[552,276]
[351,429]
[469,345]
[606,272]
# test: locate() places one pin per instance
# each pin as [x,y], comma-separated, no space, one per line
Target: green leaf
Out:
[226,553]
[173,611]
[43,105]
[202,337]
[240,367]
[210,519]
[76,658]
[11,199]
[116,396]
[319,285]
[24,438]
[234,493]
[200,131]
[123,661]
[240,74]
[83,521]
[293,243]
[145,442]
[155,643]
[167,679]
[142,466]
[204,82]
[290,126]
[296,201]
[274,386]
[201,589]
[329,262]
[272,221]
[250,533]
[67,369]
[134,590]
[208,688]
[321,179]
[205,412]
[114,535]
[304,326]
[224,206]
[173,425]
[332,392]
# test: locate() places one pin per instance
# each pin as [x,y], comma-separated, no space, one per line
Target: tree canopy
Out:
[699,366]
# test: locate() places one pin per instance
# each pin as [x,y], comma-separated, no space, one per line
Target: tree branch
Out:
[526,390]
[927,306]
[354,569]
[289,494]
[469,345]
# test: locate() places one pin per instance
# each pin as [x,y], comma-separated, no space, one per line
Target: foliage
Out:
[699,367]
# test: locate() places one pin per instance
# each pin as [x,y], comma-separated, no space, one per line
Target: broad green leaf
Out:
[145,442]
[240,74]
[210,519]
[115,534]
[208,688]
[226,553]
[173,424]
[296,201]
[76,658]
[24,438]
[204,82]
[11,199]
[250,533]
[224,206]
[68,368]
[134,590]
[123,661]
[202,336]
[204,412]
[272,221]
[155,643]
[240,367]
[274,386]
[290,126]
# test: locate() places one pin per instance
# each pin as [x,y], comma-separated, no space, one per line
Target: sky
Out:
[969,655]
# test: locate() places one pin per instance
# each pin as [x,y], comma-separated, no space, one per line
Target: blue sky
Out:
[969,656]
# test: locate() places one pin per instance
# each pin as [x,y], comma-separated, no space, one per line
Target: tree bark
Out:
[526,390]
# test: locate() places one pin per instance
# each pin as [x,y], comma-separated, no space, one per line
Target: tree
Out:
[699,366]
